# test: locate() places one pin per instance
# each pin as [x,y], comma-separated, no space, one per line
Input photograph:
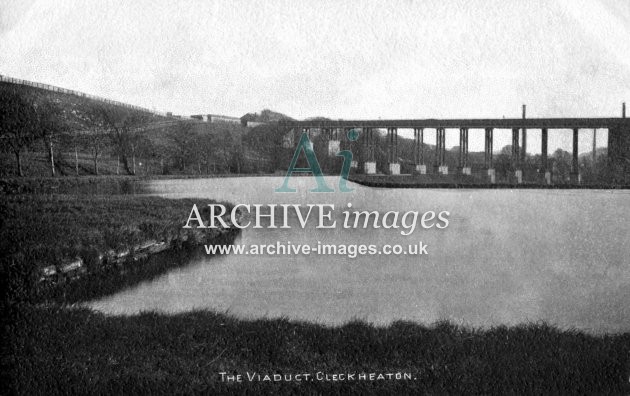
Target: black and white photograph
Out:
[315,197]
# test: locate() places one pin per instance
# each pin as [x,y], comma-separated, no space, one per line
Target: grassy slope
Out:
[74,109]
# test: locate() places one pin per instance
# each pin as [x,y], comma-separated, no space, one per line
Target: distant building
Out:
[247,118]
[223,118]
[197,117]
[253,124]
[169,113]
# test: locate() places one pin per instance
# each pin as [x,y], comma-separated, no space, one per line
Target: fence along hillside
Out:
[53,88]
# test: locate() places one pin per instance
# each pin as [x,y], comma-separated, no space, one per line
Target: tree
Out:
[49,127]
[97,143]
[273,142]
[237,156]
[502,162]
[561,164]
[18,124]
[203,151]
[73,139]
[182,138]
[94,136]
[223,148]
[124,126]
[147,151]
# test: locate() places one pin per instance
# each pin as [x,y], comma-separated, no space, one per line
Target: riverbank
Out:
[136,184]
[69,248]
[459,181]
[110,184]
[62,350]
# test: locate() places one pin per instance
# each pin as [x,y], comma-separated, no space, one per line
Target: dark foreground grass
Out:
[61,350]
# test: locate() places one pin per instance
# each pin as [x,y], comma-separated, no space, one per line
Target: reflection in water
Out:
[507,257]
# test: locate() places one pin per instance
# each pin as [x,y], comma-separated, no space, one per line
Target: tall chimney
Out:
[524,139]
[623,110]
[594,146]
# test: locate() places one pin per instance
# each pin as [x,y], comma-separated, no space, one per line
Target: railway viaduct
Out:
[618,141]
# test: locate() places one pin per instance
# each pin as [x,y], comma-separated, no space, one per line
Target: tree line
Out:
[140,142]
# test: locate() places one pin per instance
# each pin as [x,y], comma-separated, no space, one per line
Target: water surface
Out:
[507,257]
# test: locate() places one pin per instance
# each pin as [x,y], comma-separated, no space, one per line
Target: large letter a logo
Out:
[313,167]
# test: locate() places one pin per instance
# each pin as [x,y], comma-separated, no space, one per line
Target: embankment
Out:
[70,248]
[459,181]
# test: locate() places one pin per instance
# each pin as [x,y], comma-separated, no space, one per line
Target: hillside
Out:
[87,136]
[73,109]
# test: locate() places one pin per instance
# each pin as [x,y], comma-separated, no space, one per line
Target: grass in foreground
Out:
[62,350]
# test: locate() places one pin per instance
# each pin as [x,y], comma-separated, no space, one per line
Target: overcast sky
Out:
[339,59]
